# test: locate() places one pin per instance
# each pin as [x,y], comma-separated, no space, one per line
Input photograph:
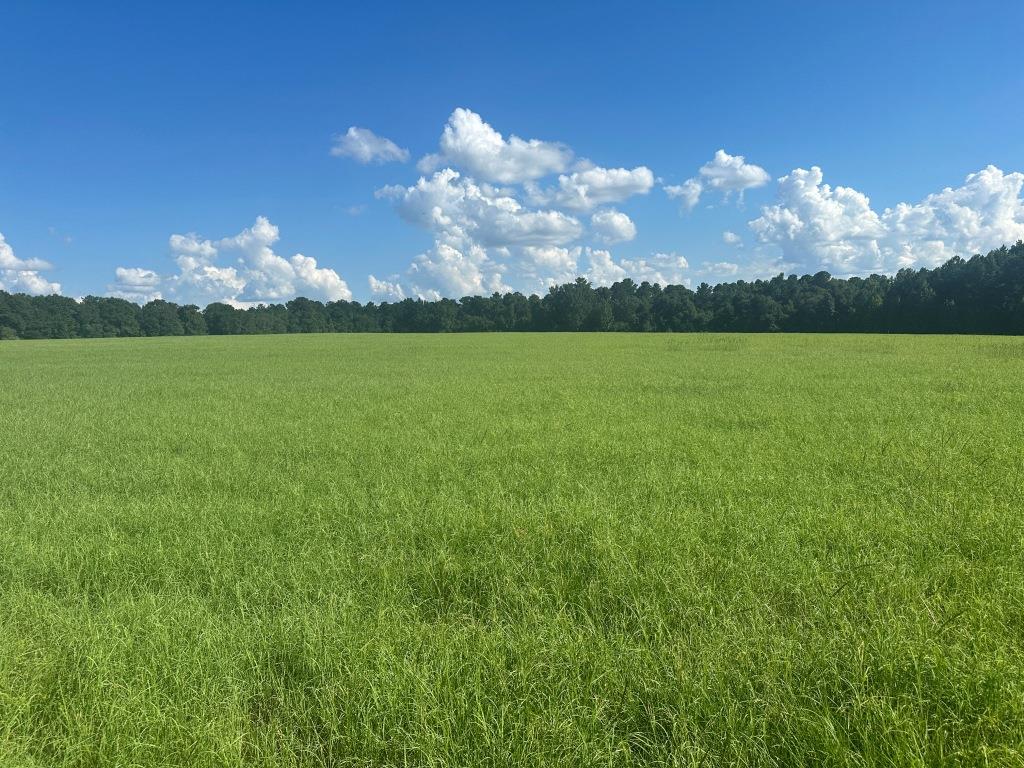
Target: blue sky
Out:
[185,151]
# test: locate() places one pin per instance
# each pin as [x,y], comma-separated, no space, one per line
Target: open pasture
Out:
[579,550]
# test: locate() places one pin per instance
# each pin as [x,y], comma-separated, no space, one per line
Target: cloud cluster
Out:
[469,143]
[591,186]
[457,209]
[612,226]
[364,146]
[23,275]
[497,227]
[135,284]
[661,268]
[509,213]
[725,173]
[259,275]
[719,270]
[817,226]
[480,233]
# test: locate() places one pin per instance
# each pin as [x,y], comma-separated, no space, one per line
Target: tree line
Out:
[983,294]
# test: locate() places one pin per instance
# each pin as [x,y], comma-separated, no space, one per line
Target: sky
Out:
[252,152]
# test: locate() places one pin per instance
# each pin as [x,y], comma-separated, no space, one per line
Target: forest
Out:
[980,295]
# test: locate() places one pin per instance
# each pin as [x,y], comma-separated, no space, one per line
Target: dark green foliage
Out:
[192,320]
[160,318]
[306,316]
[100,317]
[221,319]
[981,295]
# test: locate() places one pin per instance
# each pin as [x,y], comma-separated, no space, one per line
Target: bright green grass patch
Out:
[512,550]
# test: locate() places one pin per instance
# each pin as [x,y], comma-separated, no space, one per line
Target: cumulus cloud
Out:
[817,226]
[601,269]
[466,272]
[591,186]
[719,269]
[661,268]
[445,270]
[495,228]
[480,233]
[135,284]
[725,173]
[732,173]
[261,275]
[731,238]
[364,146]
[269,277]
[27,281]
[471,144]
[498,226]
[612,226]
[23,275]
[456,207]
[386,290]
[688,192]
[538,267]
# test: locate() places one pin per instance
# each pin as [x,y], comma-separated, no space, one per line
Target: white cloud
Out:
[537,268]
[364,146]
[22,275]
[591,186]
[732,173]
[725,173]
[817,226]
[199,280]
[987,211]
[719,269]
[320,280]
[135,284]
[689,191]
[483,236]
[613,226]
[27,281]
[497,228]
[386,290]
[473,145]
[731,238]
[602,269]
[662,268]
[10,262]
[446,270]
[261,276]
[458,209]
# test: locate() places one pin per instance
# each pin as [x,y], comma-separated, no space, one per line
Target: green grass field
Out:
[512,550]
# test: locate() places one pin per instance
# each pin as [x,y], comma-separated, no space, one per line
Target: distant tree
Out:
[675,310]
[982,294]
[264,318]
[192,320]
[160,318]
[569,306]
[307,316]
[119,317]
[222,319]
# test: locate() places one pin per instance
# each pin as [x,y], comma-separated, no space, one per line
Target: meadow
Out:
[512,550]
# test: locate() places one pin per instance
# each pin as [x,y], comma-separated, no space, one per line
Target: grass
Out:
[512,550]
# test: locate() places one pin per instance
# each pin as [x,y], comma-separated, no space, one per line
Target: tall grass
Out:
[605,550]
